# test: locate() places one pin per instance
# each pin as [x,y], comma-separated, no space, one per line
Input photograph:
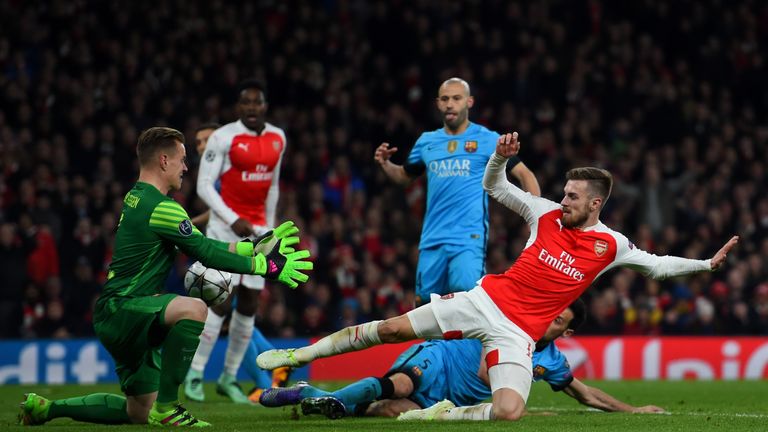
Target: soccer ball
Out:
[211,285]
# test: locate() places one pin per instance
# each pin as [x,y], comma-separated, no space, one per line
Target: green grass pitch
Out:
[692,406]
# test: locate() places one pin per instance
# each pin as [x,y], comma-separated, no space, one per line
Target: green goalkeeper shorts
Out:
[132,330]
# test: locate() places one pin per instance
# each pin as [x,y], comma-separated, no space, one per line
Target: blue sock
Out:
[262,344]
[310,391]
[363,391]
[260,377]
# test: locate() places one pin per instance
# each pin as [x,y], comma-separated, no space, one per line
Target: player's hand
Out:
[287,231]
[507,145]
[383,153]
[242,227]
[719,259]
[648,409]
[283,264]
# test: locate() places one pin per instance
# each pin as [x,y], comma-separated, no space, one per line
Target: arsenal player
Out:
[244,156]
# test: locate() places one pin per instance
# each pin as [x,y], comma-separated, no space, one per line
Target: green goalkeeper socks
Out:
[103,408]
[179,348]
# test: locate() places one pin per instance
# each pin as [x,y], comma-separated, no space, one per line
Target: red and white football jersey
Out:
[248,165]
[559,263]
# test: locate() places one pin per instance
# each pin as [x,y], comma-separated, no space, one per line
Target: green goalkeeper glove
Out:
[283,263]
[287,231]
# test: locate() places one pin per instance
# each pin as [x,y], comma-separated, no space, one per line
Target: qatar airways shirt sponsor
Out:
[450,168]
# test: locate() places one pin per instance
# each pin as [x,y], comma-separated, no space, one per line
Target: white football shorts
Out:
[473,314]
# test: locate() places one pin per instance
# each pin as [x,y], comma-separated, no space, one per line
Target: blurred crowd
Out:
[669,95]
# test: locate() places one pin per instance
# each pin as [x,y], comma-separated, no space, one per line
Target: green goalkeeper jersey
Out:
[152,228]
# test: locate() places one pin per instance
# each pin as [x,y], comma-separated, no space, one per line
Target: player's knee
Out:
[390,331]
[511,413]
[197,310]
[402,385]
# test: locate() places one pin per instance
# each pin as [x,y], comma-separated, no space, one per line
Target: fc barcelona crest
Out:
[601,247]
[452,145]
[470,146]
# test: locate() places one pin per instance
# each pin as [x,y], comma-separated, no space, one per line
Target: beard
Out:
[574,221]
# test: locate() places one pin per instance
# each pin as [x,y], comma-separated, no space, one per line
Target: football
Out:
[211,285]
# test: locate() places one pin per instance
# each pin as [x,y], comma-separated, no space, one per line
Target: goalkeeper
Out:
[134,321]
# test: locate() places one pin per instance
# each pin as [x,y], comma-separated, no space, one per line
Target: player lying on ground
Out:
[153,336]
[568,249]
[430,372]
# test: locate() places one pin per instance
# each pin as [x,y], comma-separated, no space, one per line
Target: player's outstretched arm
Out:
[663,267]
[717,261]
[395,172]
[596,398]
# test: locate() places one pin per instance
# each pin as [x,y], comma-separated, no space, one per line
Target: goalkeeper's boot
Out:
[176,416]
[329,406]
[435,412]
[282,396]
[34,410]
[193,386]
[228,386]
[276,358]
[280,376]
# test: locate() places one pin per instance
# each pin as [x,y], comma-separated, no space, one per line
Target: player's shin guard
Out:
[179,348]
[208,340]
[475,412]
[240,332]
[352,338]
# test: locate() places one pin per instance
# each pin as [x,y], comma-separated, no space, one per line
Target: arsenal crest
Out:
[452,145]
[601,247]
[276,145]
[470,146]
